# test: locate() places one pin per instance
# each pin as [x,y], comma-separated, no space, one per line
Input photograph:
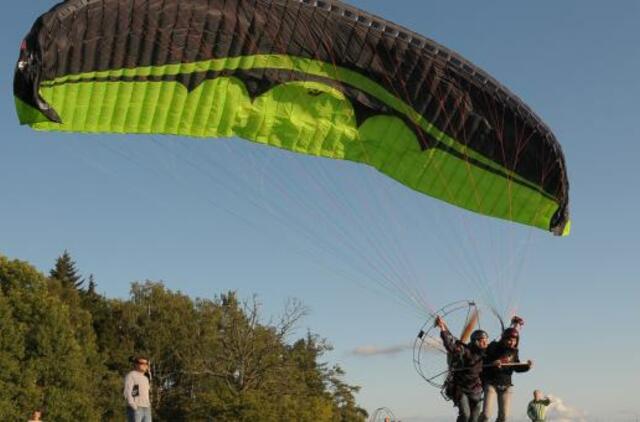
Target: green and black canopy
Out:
[314,77]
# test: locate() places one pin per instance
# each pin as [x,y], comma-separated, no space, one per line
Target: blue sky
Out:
[136,208]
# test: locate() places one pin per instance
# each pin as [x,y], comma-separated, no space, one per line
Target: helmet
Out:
[479,334]
[510,333]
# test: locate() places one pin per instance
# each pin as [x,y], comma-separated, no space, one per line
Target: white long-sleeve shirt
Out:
[136,390]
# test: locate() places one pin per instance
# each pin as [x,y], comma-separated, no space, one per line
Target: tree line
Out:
[65,348]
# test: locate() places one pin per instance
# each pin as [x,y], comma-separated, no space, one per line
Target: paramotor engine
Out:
[430,358]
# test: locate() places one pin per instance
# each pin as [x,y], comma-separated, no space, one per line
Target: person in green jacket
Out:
[537,409]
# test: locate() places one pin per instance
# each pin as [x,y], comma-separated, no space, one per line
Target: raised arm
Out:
[517,322]
[450,342]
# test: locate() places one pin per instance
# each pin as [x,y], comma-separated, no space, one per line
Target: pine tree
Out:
[91,287]
[66,273]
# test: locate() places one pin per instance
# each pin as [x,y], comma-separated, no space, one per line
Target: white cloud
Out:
[561,412]
[368,351]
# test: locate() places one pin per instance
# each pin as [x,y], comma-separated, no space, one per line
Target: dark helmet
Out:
[510,333]
[479,334]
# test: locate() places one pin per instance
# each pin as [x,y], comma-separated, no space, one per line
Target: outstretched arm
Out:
[517,322]
[524,367]
[448,340]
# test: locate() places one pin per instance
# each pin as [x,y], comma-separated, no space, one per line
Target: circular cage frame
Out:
[427,331]
[380,413]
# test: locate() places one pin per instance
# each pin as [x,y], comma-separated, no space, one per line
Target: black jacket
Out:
[466,362]
[500,377]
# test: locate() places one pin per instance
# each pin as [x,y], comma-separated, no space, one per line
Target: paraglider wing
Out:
[314,77]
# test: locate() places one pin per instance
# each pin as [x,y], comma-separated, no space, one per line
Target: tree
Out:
[345,407]
[65,284]
[104,318]
[43,364]
[67,350]
[65,271]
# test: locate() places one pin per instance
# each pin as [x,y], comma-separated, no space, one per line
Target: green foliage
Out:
[44,363]
[65,272]
[66,350]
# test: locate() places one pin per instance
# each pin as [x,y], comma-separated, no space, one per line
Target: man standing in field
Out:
[537,409]
[136,392]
